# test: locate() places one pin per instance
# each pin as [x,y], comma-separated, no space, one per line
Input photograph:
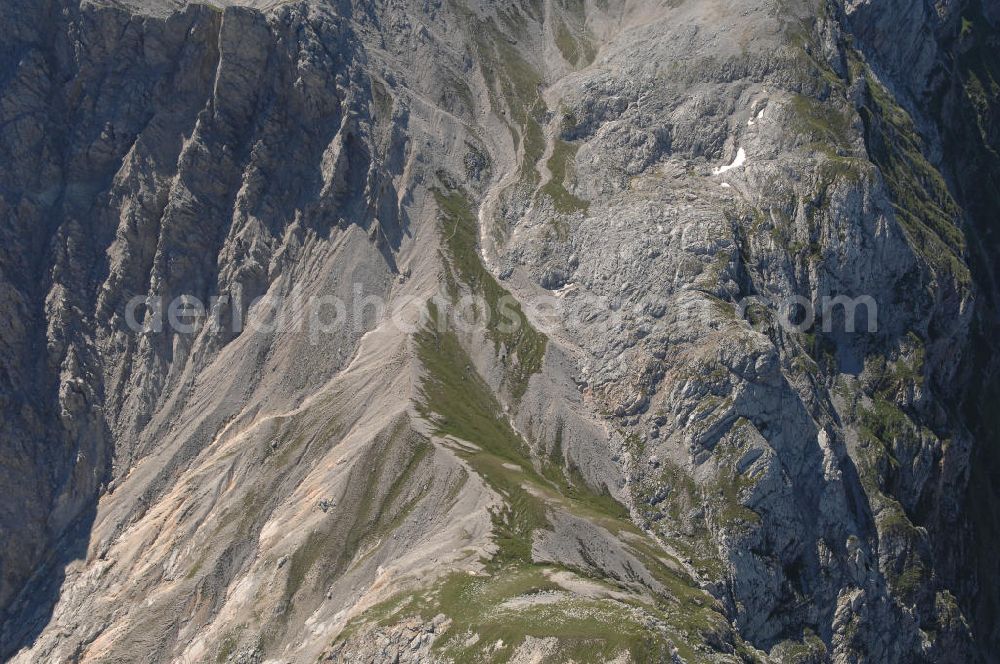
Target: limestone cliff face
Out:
[659,464]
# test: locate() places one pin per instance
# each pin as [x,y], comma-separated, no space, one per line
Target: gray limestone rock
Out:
[739,419]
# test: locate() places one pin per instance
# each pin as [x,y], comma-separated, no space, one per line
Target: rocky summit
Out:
[532,331]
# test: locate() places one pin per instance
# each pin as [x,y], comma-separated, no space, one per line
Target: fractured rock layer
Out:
[662,462]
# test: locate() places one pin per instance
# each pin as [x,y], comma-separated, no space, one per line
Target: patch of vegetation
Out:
[386,496]
[673,500]
[461,405]
[303,560]
[506,325]
[570,32]
[383,101]
[686,513]
[294,443]
[514,86]
[560,165]
[966,31]
[564,474]
[594,629]
[288,448]
[924,206]
[491,616]
[885,431]
[814,73]
[979,71]
[731,484]
[909,572]
[227,647]
[566,43]
[809,649]
[823,122]
[403,508]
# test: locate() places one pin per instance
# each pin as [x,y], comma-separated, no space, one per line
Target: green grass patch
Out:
[227,647]
[588,630]
[513,86]
[459,404]
[823,122]
[506,325]
[566,43]
[560,166]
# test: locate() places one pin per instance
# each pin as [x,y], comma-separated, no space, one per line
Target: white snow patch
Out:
[726,185]
[741,158]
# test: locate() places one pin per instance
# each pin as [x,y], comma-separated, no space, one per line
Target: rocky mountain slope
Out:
[660,460]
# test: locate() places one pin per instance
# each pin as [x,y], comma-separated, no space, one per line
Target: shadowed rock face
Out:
[658,464]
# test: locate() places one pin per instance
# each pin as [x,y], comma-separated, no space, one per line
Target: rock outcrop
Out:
[261,401]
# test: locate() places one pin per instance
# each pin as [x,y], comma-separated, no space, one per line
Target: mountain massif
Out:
[530,331]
